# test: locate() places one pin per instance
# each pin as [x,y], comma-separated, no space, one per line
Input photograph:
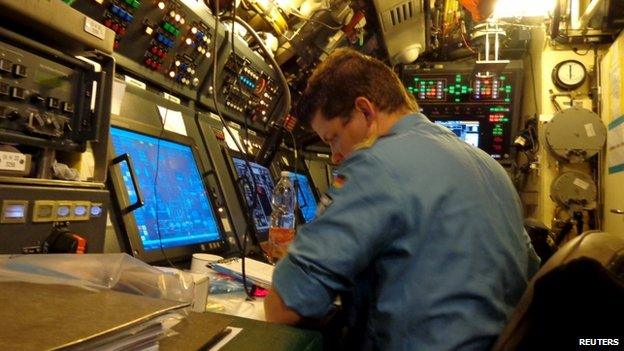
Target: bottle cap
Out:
[285,174]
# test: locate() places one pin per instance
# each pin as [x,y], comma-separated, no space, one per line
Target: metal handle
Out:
[617,211]
[139,202]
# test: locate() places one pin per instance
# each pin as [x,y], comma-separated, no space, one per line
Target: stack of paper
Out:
[50,317]
[257,272]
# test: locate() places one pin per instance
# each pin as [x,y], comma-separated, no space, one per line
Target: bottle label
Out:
[279,239]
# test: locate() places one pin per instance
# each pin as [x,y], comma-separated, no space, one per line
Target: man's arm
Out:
[276,310]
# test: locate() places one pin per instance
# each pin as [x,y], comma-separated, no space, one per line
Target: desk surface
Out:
[256,335]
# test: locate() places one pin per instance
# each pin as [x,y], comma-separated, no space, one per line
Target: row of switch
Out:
[18,94]
[17,70]
[16,211]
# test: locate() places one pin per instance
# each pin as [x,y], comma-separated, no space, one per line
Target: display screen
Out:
[177,210]
[305,196]
[467,131]
[261,212]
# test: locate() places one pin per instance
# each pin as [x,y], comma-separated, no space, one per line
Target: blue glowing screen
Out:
[177,211]
[263,181]
[467,131]
[305,197]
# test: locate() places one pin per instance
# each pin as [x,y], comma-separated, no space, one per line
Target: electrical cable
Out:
[160,135]
[248,291]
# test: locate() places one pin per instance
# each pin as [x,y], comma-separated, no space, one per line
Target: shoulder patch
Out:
[339,181]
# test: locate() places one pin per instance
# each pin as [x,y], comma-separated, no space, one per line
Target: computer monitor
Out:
[467,131]
[178,217]
[305,197]
[263,182]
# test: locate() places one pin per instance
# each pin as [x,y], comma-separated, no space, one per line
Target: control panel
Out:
[247,90]
[482,110]
[247,87]
[28,215]
[168,42]
[46,103]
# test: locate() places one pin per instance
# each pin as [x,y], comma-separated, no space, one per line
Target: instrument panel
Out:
[481,110]
[168,42]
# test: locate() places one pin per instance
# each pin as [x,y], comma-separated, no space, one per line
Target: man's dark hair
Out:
[343,76]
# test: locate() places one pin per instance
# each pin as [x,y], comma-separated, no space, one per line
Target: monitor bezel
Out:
[177,253]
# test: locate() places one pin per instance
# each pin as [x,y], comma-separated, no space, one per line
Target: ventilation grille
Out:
[402,13]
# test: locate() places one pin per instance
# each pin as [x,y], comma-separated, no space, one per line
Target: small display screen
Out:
[467,131]
[263,182]
[305,196]
[14,211]
[177,210]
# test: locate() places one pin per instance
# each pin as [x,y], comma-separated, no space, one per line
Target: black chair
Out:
[577,294]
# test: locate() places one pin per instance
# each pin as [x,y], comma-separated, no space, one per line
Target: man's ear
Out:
[366,107]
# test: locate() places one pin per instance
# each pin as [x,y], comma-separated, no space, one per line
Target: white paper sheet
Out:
[172,120]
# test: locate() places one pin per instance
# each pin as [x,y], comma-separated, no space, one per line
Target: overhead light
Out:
[523,8]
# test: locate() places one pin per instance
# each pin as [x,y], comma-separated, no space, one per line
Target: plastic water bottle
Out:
[282,230]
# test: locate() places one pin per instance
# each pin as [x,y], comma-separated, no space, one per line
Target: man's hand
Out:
[277,312]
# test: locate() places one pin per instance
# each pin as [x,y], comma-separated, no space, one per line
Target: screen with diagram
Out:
[467,131]
[263,184]
[177,210]
[305,196]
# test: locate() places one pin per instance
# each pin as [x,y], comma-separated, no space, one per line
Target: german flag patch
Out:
[339,181]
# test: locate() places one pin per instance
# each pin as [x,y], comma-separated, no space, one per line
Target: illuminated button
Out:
[63,211]
[80,210]
[161,5]
[13,211]
[189,41]
[172,13]
[172,74]
[178,17]
[149,30]
[182,21]
[194,30]
[96,210]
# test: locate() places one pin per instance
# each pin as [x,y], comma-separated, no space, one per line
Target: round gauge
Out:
[569,74]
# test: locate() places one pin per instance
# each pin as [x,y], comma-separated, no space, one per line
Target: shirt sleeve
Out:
[365,215]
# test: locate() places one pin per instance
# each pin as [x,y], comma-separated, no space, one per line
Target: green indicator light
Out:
[503,78]
[456,100]
[507,99]
[444,89]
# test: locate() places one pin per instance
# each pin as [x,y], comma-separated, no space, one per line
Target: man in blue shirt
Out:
[421,235]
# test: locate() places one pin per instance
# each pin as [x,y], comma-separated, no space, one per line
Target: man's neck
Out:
[388,120]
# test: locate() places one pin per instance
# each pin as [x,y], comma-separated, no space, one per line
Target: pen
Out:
[215,339]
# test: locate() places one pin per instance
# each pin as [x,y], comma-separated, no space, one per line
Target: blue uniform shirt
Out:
[425,239]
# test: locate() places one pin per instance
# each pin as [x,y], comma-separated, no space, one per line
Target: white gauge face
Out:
[571,73]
